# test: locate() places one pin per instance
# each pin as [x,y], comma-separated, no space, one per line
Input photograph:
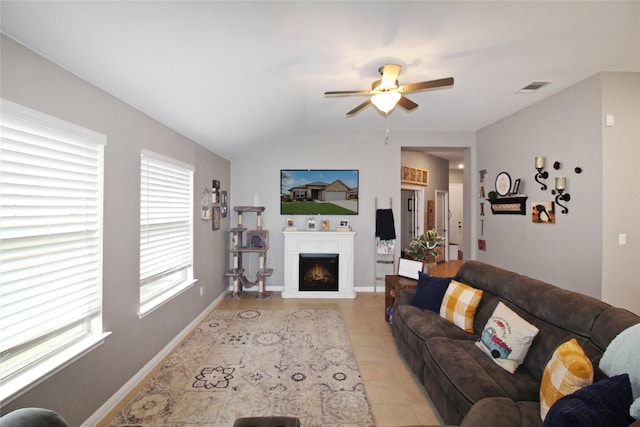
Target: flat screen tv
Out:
[319,191]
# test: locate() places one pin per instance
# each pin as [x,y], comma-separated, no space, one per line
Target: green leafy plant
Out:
[424,245]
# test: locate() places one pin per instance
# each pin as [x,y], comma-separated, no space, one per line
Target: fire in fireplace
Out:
[318,272]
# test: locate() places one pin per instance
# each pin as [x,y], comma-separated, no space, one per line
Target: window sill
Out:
[34,376]
[161,300]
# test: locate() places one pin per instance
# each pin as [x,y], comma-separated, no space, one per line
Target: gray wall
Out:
[621,190]
[81,388]
[568,127]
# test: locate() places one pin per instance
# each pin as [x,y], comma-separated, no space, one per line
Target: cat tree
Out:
[257,241]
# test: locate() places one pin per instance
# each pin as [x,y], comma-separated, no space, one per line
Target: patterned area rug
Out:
[256,363]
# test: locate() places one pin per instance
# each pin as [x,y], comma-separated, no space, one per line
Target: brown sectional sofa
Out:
[466,386]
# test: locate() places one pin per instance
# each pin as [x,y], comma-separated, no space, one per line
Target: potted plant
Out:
[423,247]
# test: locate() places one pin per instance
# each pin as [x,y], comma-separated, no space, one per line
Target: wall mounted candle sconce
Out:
[542,174]
[561,186]
[205,202]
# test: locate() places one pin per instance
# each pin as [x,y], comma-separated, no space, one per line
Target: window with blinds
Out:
[51,188]
[166,229]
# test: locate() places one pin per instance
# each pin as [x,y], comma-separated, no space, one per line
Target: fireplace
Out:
[340,243]
[318,272]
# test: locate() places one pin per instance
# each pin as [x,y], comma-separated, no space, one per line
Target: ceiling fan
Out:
[386,92]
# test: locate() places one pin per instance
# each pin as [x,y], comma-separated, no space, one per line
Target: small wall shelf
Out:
[510,205]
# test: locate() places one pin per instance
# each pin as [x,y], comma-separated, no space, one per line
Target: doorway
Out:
[456,203]
[453,222]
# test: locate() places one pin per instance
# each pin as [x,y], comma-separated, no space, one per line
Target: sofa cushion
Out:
[467,375]
[459,305]
[568,370]
[506,338]
[416,326]
[602,404]
[412,326]
[430,291]
[486,277]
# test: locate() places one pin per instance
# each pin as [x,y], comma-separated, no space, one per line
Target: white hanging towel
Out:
[386,247]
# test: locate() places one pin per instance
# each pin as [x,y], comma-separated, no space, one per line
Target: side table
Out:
[393,284]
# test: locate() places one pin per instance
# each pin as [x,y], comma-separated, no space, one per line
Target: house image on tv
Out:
[322,191]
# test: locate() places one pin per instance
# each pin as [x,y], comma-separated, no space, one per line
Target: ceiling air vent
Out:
[532,87]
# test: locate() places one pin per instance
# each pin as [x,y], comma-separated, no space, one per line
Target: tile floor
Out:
[396,396]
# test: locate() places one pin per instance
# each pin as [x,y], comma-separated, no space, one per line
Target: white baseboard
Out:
[133,382]
[280,288]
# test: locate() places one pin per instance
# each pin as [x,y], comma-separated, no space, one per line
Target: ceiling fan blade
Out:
[431,84]
[406,103]
[390,75]
[359,107]
[348,92]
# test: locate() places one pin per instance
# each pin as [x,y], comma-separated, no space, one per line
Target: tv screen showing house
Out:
[319,192]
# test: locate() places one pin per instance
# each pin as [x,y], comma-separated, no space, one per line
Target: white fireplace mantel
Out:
[319,242]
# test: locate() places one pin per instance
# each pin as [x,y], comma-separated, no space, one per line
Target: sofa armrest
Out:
[34,417]
[405,296]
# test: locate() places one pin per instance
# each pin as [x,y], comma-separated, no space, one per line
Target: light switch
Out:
[622,238]
[610,120]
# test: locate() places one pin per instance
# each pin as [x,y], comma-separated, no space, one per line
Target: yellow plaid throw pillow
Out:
[568,370]
[459,305]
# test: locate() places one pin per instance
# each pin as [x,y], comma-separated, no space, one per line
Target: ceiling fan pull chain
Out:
[386,134]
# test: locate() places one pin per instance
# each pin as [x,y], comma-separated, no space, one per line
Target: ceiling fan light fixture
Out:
[386,92]
[386,101]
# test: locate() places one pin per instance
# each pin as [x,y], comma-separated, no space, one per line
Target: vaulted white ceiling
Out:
[234,75]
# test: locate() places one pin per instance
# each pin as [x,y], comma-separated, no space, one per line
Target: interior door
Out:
[442,220]
[408,220]
[412,208]
[456,207]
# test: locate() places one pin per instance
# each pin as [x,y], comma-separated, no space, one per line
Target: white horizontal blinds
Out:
[51,225]
[166,225]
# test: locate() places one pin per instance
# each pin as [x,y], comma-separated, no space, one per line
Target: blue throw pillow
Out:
[430,292]
[602,404]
